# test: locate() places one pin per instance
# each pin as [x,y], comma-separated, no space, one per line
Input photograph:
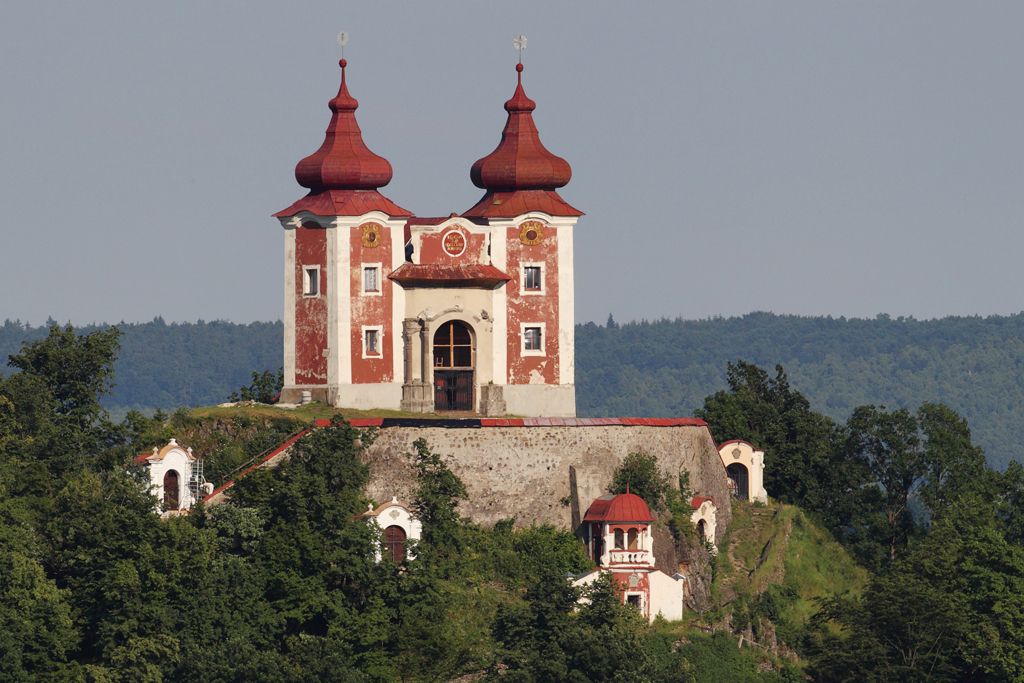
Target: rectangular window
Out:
[532,339]
[371,342]
[532,279]
[311,281]
[634,601]
[371,279]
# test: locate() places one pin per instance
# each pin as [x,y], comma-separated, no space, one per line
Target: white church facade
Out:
[467,313]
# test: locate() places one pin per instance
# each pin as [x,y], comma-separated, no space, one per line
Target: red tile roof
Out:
[699,500]
[437,275]
[511,204]
[624,507]
[343,203]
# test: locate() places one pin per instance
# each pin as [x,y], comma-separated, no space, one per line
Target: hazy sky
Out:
[800,157]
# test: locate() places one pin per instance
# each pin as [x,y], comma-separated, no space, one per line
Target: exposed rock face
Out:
[524,472]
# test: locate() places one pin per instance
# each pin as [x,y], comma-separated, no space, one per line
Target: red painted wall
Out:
[371,309]
[310,312]
[532,308]
[432,248]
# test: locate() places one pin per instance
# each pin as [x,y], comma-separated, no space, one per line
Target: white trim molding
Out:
[380,279]
[522,339]
[379,329]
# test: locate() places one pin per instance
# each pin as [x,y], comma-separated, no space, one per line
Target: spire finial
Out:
[519,43]
[342,42]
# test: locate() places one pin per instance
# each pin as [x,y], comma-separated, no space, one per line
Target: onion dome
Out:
[343,162]
[624,507]
[343,175]
[520,175]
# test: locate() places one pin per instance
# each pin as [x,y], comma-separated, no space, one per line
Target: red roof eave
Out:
[436,275]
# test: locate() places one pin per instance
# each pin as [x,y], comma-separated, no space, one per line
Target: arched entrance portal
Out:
[738,473]
[394,543]
[702,531]
[453,366]
[171,493]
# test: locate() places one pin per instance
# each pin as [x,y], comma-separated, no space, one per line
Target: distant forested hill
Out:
[666,367]
[169,365]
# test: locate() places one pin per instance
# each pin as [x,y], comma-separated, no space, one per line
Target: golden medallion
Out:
[371,234]
[531,232]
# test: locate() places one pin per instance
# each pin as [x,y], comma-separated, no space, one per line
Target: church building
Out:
[617,532]
[470,313]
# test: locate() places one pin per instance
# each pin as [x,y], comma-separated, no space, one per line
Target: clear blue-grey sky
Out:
[842,158]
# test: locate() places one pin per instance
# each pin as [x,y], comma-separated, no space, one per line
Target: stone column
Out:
[410,326]
[425,364]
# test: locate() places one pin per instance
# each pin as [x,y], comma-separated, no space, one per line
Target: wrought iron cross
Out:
[519,43]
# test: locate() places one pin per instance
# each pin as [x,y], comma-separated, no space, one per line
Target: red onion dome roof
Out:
[520,161]
[343,162]
[624,507]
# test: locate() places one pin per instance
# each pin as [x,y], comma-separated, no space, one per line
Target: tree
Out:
[640,474]
[265,387]
[76,370]
[803,460]
[436,502]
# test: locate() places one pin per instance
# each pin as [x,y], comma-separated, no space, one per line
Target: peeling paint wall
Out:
[528,307]
[372,309]
[310,311]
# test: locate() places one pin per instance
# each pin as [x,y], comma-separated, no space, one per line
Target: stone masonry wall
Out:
[524,472]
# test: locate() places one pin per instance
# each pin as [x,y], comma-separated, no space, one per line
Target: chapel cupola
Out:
[343,175]
[343,162]
[520,175]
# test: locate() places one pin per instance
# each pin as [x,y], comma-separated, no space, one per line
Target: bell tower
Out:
[339,312]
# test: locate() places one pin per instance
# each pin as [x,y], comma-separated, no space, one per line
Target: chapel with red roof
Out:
[472,312]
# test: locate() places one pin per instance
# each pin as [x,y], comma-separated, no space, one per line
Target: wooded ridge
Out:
[658,368]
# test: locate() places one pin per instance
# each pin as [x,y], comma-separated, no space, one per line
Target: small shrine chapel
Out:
[468,313]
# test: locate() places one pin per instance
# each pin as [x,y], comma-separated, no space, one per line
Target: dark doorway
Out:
[171,494]
[394,543]
[453,367]
[738,473]
[702,531]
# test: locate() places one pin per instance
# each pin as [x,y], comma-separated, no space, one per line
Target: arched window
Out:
[453,345]
[620,540]
[702,530]
[632,539]
[394,543]
[171,494]
[738,473]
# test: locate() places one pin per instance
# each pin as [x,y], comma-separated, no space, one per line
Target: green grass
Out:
[302,414]
[802,564]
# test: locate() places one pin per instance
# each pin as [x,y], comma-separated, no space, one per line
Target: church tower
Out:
[469,313]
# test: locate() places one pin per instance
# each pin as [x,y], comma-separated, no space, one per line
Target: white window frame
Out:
[626,595]
[522,340]
[307,279]
[380,279]
[543,280]
[380,340]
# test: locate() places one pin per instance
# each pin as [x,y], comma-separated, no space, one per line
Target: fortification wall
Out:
[526,471]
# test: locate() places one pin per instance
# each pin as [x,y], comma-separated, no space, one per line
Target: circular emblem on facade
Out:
[371,234]
[736,453]
[634,580]
[531,232]
[454,242]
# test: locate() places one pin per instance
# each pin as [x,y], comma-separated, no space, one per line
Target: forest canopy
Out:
[974,365]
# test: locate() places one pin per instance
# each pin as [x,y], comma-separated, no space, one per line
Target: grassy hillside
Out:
[661,368]
[774,564]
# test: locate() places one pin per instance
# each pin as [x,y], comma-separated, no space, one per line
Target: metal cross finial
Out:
[519,43]
[343,41]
